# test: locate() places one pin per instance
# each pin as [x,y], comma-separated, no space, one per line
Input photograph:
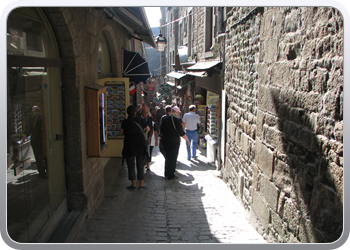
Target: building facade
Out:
[278,75]
[57,58]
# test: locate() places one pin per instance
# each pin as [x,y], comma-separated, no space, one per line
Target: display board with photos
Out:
[116,107]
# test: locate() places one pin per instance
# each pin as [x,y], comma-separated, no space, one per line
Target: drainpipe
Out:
[222,72]
[221,35]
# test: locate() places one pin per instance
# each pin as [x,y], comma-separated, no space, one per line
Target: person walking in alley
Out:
[159,113]
[148,120]
[154,143]
[191,120]
[135,147]
[36,140]
[167,112]
[171,129]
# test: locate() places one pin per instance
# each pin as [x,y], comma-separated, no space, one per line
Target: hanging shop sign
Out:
[151,85]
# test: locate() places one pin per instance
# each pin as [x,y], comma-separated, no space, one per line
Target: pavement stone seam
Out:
[198,207]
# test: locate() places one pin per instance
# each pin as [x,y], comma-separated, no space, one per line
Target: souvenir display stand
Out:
[118,98]
[201,111]
[213,104]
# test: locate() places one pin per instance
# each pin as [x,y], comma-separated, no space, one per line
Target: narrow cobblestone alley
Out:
[197,207]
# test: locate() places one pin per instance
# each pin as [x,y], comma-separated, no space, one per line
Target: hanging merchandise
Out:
[132,88]
[198,99]
[213,104]
[213,114]
[201,113]
[202,143]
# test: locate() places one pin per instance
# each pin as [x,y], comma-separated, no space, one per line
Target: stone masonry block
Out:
[259,124]
[274,137]
[261,209]
[278,224]
[270,50]
[268,99]
[264,158]
[292,215]
[264,73]
[245,145]
[283,176]
[233,130]
[270,192]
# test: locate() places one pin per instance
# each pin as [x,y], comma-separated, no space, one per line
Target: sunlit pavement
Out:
[196,207]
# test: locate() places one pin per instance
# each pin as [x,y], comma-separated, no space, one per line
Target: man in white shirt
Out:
[190,121]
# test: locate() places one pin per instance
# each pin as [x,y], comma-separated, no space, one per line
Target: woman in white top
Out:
[154,142]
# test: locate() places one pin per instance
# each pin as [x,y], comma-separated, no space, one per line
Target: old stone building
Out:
[57,61]
[278,73]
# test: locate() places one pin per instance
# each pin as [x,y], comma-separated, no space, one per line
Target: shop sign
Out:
[151,85]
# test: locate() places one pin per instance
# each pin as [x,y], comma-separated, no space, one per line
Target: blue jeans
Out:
[192,136]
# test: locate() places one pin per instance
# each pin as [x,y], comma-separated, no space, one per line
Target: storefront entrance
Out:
[36,184]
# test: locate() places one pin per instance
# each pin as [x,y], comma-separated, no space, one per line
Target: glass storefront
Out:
[35,156]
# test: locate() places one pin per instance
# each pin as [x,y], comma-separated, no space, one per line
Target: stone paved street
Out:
[197,207]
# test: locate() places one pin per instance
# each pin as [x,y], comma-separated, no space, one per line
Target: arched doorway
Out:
[36,184]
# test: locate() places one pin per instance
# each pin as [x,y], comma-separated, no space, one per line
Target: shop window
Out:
[36,184]
[25,34]
[208,28]
[104,61]
[190,37]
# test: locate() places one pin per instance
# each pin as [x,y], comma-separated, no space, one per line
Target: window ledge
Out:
[208,54]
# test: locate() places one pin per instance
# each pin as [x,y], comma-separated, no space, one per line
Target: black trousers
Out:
[130,162]
[148,156]
[171,150]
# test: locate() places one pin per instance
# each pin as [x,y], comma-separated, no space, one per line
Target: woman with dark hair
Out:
[135,147]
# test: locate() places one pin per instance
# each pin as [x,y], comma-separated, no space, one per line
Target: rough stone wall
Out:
[284,131]
[198,31]
[171,36]
[78,31]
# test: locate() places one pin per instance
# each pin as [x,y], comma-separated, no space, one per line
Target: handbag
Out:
[144,134]
[172,119]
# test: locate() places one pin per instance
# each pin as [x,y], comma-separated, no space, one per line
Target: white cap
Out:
[175,109]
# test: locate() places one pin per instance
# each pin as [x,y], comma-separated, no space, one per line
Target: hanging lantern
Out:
[161,42]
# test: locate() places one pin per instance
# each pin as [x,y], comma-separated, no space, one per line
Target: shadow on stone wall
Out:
[307,169]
